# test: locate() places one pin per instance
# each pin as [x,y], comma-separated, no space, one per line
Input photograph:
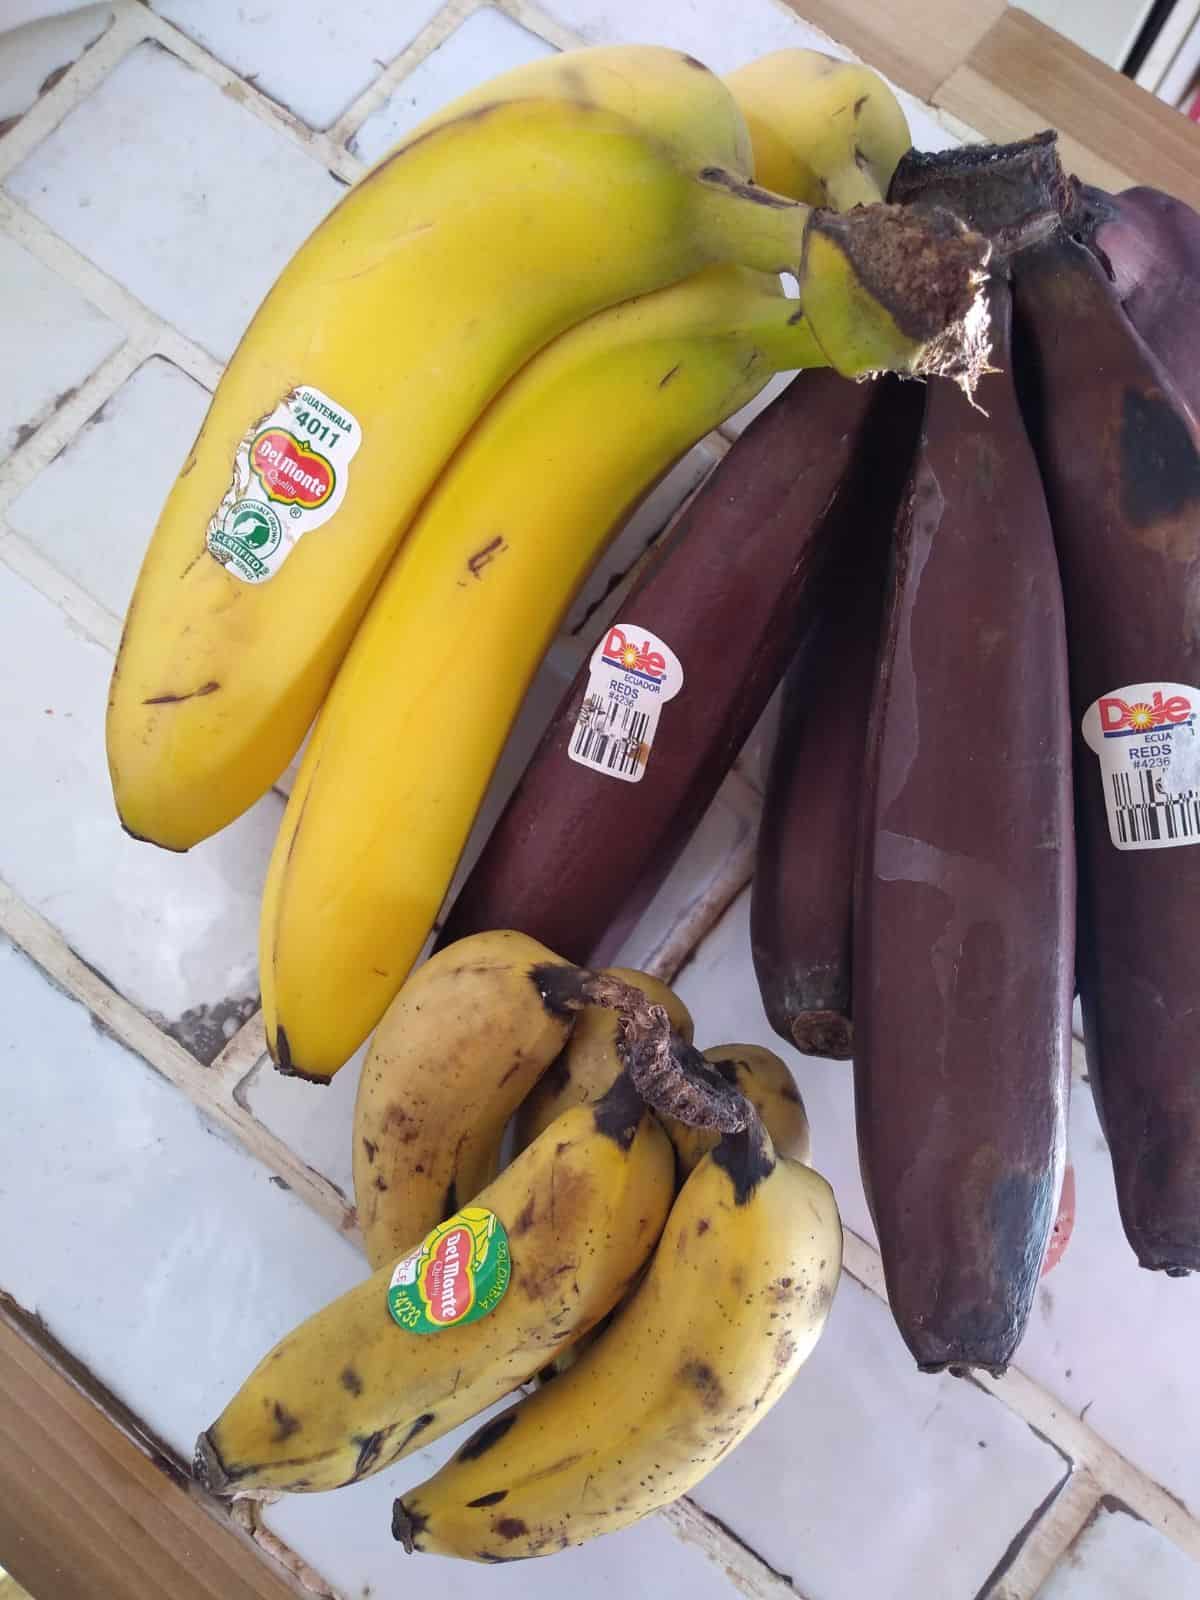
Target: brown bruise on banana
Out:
[1159,469]
[282,1054]
[483,557]
[177,699]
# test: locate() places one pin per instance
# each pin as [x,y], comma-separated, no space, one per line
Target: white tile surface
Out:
[33,55]
[176,934]
[1112,1340]
[179,192]
[52,338]
[349,1533]
[161,1255]
[707,861]
[312,57]
[314,1121]
[1118,1557]
[487,43]
[870,1479]
[93,509]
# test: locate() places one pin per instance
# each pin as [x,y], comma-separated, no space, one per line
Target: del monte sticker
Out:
[458,1273]
[289,476]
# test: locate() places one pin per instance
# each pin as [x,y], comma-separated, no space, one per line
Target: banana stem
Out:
[883,288]
[670,1075]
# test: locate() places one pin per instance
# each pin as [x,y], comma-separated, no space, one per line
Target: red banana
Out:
[800,906]
[965,896]
[1120,458]
[577,854]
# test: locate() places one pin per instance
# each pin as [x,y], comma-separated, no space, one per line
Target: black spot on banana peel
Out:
[802,894]
[748,1158]
[486,1437]
[560,986]
[965,901]
[741,566]
[1131,585]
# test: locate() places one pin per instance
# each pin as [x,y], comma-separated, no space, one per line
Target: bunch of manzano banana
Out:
[671,1294]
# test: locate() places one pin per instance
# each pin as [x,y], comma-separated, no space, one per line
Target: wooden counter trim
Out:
[91,1506]
[1006,74]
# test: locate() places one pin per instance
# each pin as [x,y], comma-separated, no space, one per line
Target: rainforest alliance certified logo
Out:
[249,537]
[290,474]
[458,1273]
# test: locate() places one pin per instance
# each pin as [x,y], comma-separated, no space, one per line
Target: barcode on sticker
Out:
[609,735]
[1145,816]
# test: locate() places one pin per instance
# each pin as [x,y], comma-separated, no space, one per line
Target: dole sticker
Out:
[1146,738]
[290,475]
[458,1273]
[633,673]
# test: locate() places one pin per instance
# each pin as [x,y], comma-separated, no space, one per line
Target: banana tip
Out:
[824,1033]
[208,1469]
[406,1525]
[281,1055]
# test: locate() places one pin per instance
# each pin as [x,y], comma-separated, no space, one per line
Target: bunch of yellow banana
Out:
[734,1300]
[483,358]
[662,1358]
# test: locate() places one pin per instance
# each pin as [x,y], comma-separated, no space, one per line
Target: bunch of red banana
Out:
[991,616]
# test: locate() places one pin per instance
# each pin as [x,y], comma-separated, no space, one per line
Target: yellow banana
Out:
[767,1083]
[406,742]
[735,1298]
[458,1047]
[348,1392]
[589,1064]
[565,186]
[825,131]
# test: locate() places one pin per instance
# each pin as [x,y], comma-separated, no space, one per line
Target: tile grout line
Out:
[43,943]
[435,33]
[71,414]
[1049,1538]
[332,156]
[106,294]
[74,602]
[529,15]
[84,75]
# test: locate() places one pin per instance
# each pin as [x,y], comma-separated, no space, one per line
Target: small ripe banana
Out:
[565,1228]
[563,187]
[468,1035]
[824,131]
[736,1296]
[767,1082]
[589,1064]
